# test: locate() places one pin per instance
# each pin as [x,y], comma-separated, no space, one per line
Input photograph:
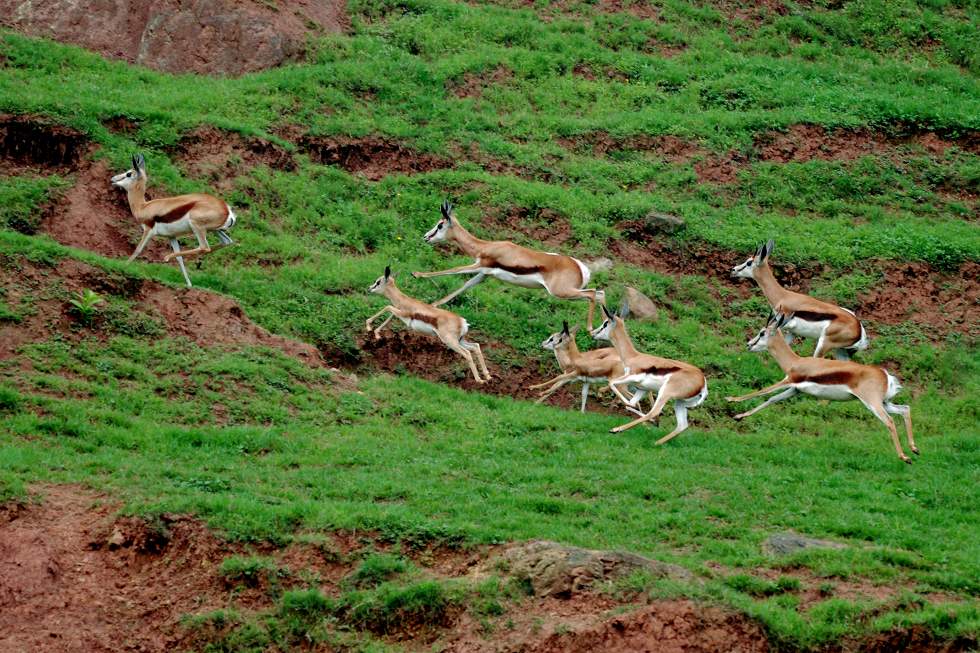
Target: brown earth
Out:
[473,84]
[667,147]
[753,13]
[228,37]
[372,157]
[219,156]
[33,144]
[206,318]
[546,226]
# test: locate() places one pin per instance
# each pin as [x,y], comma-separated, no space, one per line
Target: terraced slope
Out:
[849,133]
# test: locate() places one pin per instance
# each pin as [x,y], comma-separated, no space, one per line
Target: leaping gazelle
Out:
[829,379]
[836,329]
[170,217]
[670,379]
[561,276]
[595,366]
[450,328]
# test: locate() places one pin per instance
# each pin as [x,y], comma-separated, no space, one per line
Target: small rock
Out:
[557,570]
[784,544]
[664,222]
[599,265]
[117,539]
[641,306]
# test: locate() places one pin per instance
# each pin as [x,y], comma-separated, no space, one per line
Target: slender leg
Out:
[456,347]
[477,278]
[766,390]
[879,411]
[180,261]
[377,332]
[224,238]
[680,410]
[147,234]
[553,389]
[476,349]
[386,309]
[560,377]
[906,413]
[785,394]
[658,406]
[472,268]
[585,396]
[613,385]
[202,245]
[842,354]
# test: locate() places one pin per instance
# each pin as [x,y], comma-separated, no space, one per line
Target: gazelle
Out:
[836,329]
[425,318]
[829,379]
[670,379]
[171,217]
[561,276]
[595,366]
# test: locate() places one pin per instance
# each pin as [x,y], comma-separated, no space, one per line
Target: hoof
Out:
[615,430]
[907,460]
[730,398]
[416,275]
[915,451]
[738,418]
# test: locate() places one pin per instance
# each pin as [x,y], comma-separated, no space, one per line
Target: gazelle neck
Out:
[136,195]
[767,281]
[392,292]
[621,341]
[777,346]
[470,244]
[568,354]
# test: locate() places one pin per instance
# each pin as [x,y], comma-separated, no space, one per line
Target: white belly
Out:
[650,382]
[175,228]
[835,392]
[525,280]
[419,325]
[806,329]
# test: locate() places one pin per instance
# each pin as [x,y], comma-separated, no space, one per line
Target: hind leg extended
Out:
[459,349]
[180,261]
[475,348]
[591,295]
[879,411]
[202,245]
[681,411]
[906,413]
[666,393]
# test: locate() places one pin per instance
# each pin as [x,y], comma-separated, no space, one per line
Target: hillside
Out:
[238,467]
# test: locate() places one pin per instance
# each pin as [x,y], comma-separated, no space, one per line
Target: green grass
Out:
[266,449]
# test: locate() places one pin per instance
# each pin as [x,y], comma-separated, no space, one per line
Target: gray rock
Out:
[641,306]
[600,265]
[664,222]
[557,570]
[784,544]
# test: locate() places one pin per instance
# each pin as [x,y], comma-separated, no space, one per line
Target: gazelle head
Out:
[747,270]
[382,282]
[131,177]
[560,339]
[604,330]
[443,228]
[761,341]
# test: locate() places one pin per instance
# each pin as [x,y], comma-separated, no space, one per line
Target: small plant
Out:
[85,305]
[375,569]
[247,571]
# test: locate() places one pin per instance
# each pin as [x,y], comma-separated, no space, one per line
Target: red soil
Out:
[472,84]
[372,157]
[32,143]
[205,36]
[219,156]
[666,147]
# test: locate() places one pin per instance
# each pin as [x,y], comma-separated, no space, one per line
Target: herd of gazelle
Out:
[629,373]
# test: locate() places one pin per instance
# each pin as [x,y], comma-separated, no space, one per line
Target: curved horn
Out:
[447,210]
[387,271]
[564,326]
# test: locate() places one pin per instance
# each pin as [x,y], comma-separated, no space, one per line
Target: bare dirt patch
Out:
[219,156]
[203,317]
[207,36]
[915,292]
[667,147]
[372,157]
[34,144]
[753,13]
[547,226]
[472,84]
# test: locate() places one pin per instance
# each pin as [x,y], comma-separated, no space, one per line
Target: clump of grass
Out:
[754,586]
[250,571]
[390,608]
[376,569]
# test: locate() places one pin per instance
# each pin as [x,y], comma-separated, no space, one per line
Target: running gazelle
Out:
[170,217]
[829,379]
[671,380]
[561,276]
[836,329]
[425,318]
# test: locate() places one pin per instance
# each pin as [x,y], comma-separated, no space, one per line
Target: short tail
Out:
[862,342]
[894,387]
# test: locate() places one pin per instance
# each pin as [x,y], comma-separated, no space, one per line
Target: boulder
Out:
[784,544]
[557,570]
[599,265]
[641,306]
[667,223]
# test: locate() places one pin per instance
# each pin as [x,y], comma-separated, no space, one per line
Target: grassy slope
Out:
[403,456]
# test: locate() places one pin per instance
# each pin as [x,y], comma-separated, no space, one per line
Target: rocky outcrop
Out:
[228,37]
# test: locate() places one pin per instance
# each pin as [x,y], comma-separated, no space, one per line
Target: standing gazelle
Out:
[670,379]
[171,217]
[595,366]
[561,276]
[836,329]
[829,379]
[448,327]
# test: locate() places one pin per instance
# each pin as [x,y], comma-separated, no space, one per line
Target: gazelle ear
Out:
[772,316]
[624,309]
[606,312]
[761,252]
[139,163]
[447,210]
[387,272]
[564,326]
[783,319]
[768,250]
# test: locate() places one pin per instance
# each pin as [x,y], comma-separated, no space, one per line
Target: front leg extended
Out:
[472,268]
[387,309]
[560,377]
[466,286]
[758,393]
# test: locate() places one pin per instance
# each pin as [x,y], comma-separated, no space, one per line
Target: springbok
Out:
[829,379]
[171,217]
[561,276]
[450,328]
[670,379]
[595,366]
[836,329]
